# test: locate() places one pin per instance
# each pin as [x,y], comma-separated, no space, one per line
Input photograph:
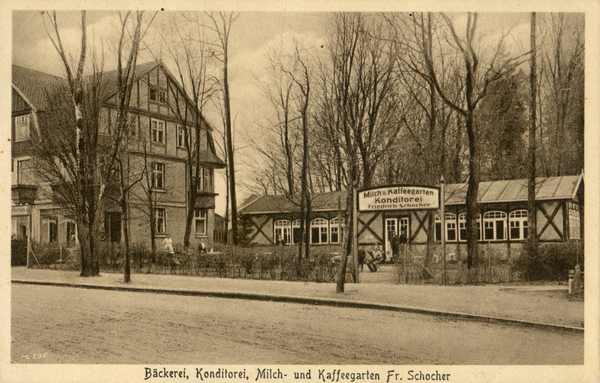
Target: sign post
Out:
[401,197]
[443,230]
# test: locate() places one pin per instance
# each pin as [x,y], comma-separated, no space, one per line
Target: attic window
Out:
[158,95]
[22,128]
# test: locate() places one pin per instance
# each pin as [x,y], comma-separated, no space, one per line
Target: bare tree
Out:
[531,152]
[281,151]
[187,49]
[477,76]
[221,25]
[300,76]
[85,172]
[357,112]
[562,54]
[120,133]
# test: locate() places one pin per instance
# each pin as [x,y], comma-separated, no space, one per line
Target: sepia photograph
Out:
[285,192]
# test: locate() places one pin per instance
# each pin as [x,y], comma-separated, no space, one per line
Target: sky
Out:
[251,36]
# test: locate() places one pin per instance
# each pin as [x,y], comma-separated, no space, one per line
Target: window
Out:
[205,184]
[158,95]
[518,224]
[200,221]
[158,131]
[318,231]
[462,227]
[71,233]
[450,227]
[180,137]
[334,230]
[494,223]
[160,220]
[49,228]
[20,226]
[282,231]
[296,231]
[21,128]
[158,175]
[574,221]
[23,172]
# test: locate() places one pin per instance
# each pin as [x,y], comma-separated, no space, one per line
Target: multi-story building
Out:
[159,147]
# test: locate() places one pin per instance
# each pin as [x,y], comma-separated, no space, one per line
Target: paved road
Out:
[67,325]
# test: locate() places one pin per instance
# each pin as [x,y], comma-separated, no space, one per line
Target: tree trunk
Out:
[472,191]
[531,210]
[125,228]
[230,163]
[348,248]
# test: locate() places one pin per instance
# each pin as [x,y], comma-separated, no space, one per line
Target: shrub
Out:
[18,252]
[46,253]
[110,256]
[220,264]
[247,261]
[140,256]
[548,261]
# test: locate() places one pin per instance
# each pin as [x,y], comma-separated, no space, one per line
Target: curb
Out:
[312,301]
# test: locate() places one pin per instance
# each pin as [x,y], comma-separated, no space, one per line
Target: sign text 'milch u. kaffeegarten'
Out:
[399,198]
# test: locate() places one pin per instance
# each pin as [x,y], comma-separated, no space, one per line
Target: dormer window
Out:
[158,95]
[22,128]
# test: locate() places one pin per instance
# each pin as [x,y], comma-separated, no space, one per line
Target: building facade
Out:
[156,147]
[502,218]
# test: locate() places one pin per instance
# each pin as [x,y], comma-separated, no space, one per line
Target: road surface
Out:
[72,325]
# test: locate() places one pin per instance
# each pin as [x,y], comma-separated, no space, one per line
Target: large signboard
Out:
[400,197]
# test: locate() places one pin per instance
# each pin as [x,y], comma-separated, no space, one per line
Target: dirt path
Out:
[527,303]
[67,325]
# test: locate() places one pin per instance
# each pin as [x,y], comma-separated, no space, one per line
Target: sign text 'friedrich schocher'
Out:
[399,198]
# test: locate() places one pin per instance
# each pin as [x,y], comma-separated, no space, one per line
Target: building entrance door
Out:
[112,226]
[397,226]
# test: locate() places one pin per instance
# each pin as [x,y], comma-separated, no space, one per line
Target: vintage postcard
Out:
[278,191]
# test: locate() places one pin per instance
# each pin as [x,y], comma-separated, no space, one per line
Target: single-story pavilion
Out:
[502,218]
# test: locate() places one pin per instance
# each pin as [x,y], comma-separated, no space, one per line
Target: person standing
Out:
[395,244]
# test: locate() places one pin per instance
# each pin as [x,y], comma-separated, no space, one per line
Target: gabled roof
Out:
[110,78]
[333,201]
[547,188]
[35,86]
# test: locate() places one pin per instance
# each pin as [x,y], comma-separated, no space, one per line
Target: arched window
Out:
[335,226]
[494,226]
[450,227]
[462,227]
[282,231]
[318,231]
[518,224]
